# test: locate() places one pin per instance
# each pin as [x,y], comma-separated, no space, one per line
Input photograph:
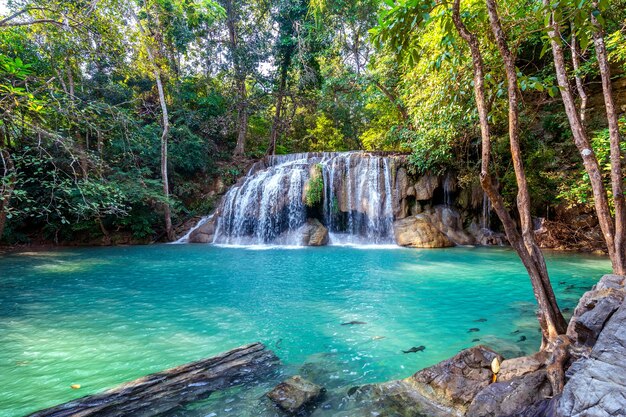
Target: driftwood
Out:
[164,391]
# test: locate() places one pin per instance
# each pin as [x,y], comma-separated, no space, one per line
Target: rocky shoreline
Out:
[464,386]
[595,380]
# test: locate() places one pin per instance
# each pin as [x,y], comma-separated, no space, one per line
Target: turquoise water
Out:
[101,316]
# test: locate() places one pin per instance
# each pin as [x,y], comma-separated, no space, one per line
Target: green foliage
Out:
[577,189]
[315,187]
[325,136]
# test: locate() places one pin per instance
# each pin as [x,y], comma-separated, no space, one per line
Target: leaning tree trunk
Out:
[617,179]
[555,322]
[8,184]
[548,321]
[167,211]
[581,139]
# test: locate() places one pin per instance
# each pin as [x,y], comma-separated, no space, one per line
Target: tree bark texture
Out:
[550,322]
[581,139]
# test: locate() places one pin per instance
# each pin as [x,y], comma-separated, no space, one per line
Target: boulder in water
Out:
[445,389]
[314,233]
[419,232]
[204,233]
[295,393]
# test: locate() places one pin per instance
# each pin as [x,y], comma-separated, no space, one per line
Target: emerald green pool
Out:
[101,316]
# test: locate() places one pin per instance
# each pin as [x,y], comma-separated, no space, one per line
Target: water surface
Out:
[101,316]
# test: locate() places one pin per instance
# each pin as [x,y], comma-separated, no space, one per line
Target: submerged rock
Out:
[295,393]
[419,232]
[313,233]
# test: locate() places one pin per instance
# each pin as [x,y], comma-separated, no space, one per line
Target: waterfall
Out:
[486,212]
[268,205]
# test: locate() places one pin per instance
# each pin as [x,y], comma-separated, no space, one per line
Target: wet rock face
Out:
[598,387]
[457,380]
[419,232]
[445,389]
[594,309]
[295,393]
[511,397]
[204,233]
[314,233]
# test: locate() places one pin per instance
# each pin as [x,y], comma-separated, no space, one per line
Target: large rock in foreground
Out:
[419,232]
[295,393]
[445,389]
[158,393]
[598,387]
[510,398]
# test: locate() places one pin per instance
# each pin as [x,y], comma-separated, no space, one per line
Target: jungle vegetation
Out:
[116,117]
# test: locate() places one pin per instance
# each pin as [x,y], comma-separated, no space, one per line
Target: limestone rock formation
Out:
[444,389]
[598,387]
[313,233]
[419,232]
[295,393]
[425,187]
[595,308]
[203,233]
[517,367]
[511,397]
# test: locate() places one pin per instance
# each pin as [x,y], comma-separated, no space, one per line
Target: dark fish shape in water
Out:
[415,349]
[473,329]
[517,331]
[562,282]
[353,390]
[353,322]
[481,320]
[475,340]
[521,339]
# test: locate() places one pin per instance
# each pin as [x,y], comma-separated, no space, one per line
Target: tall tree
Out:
[156,69]
[290,18]
[613,229]
[395,29]
[240,74]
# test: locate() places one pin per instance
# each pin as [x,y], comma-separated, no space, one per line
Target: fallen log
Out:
[163,391]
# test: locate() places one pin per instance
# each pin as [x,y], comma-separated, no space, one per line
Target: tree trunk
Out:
[555,322]
[242,118]
[166,128]
[617,179]
[581,139]
[549,321]
[394,100]
[579,81]
[271,150]
[8,184]
[240,81]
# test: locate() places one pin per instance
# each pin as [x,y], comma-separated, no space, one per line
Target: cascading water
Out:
[268,205]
